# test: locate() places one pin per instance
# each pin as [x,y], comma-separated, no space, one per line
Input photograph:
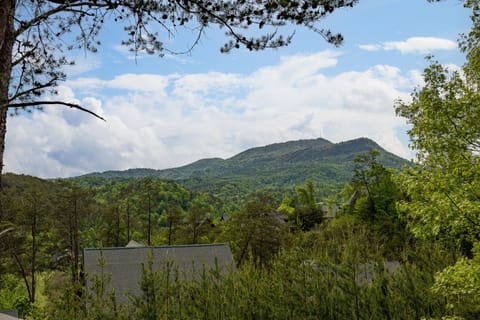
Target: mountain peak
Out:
[279,166]
[281,149]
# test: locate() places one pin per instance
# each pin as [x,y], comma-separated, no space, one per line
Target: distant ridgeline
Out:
[277,168]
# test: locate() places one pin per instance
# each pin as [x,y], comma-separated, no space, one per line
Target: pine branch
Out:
[41,103]
[63,7]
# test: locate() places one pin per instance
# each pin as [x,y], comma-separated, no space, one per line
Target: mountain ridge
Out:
[301,148]
[277,166]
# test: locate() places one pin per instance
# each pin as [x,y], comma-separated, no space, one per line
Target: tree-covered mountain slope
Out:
[275,167]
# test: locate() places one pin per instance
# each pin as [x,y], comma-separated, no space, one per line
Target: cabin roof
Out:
[124,265]
[8,315]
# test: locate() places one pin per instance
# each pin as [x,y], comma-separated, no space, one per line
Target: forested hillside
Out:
[351,254]
[278,168]
[281,245]
[317,230]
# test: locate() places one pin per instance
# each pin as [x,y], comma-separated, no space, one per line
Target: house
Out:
[124,265]
[280,217]
[367,272]
[330,210]
[9,315]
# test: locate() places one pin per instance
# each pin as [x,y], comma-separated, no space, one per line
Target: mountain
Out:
[276,167]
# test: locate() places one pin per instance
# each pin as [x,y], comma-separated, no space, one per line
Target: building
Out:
[9,315]
[124,265]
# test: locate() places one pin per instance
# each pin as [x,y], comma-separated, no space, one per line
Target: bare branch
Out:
[23,271]
[192,46]
[219,19]
[6,230]
[58,1]
[49,84]
[63,7]
[24,55]
[41,103]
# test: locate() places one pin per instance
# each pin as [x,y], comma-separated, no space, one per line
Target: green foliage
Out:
[308,213]
[340,271]
[256,231]
[460,286]
[172,217]
[443,190]
[12,291]
[198,218]
[304,281]
[286,208]
[374,199]
[48,222]
[352,267]
[276,169]
[306,194]
[147,305]
[27,212]
[71,303]
[376,182]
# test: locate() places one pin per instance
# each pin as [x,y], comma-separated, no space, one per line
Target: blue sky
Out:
[170,111]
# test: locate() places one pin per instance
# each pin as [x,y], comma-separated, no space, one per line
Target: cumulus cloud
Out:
[370,47]
[161,121]
[423,45]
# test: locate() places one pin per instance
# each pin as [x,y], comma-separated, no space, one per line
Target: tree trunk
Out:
[7,12]
[149,231]
[128,220]
[195,232]
[24,273]
[3,133]
[170,229]
[34,250]
[76,248]
[117,236]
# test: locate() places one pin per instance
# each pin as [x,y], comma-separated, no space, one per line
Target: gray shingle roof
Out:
[8,315]
[124,265]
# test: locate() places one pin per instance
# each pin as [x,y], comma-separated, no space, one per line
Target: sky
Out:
[170,111]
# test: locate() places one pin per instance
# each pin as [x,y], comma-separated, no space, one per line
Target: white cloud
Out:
[453,68]
[370,47]
[423,45]
[139,82]
[420,45]
[129,81]
[167,121]
[83,63]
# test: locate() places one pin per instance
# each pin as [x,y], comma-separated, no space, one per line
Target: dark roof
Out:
[124,265]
